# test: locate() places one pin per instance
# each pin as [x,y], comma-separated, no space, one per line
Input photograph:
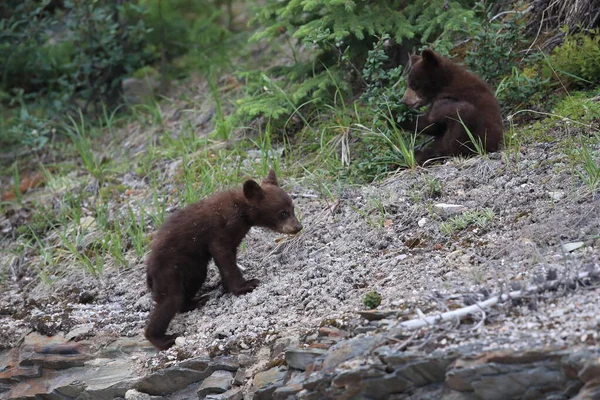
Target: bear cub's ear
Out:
[430,57]
[414,59]
[271,178]
[253,191]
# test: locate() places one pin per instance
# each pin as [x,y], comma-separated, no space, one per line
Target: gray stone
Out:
[178,377]
[218,382]
[266,382]
[99,379]
[348,349]
[54,356]
[591,390]
[424,371]
[376,315]
[170,380]
[79,332]
[332,332]
[125,345]
[281,344]
[286,392]
[590,371]
[73,389]
[231,394]
[502,381]
[240,377]
[300,358]
[293,386]
[133,394]
[448,210]
[245,360]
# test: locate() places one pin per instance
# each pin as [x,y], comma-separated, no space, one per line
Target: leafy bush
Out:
[577,59]
[494,45]
[494,55]
[60,56]
[340,34]
[77,52]
[189,31]
[383,86]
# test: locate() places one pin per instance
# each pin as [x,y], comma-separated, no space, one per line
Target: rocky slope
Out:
[515,222]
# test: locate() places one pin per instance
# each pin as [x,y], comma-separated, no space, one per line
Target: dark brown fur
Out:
[453,94]
[210,229]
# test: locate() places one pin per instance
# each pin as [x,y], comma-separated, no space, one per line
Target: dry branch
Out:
[478,307]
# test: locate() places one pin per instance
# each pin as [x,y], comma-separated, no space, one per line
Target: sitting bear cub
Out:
[210,229]
[453,94]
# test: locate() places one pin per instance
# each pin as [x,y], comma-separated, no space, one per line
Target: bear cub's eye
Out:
[283,214]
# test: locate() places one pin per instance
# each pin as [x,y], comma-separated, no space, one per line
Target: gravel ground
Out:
[389,237]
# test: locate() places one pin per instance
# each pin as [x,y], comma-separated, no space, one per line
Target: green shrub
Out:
[188,31]
[579,106]
[383,86]
[372,299]
[577,59]
[495,55]
[339,35]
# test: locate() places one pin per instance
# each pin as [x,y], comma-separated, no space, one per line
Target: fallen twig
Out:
[424,321]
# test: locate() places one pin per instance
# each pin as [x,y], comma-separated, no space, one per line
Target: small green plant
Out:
[477,142]
[372,299]
[512,145]
[587,164]
[269,157]
[80,138]
[136,231]
[479,218]
[432,187]
[17,184]
[397,146]
[223,126]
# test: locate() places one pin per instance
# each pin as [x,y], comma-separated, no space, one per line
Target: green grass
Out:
[478,218]
[79,134]
[587,164]
[479,145]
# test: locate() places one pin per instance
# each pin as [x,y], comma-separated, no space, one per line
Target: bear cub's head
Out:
[425,79]
[270,206]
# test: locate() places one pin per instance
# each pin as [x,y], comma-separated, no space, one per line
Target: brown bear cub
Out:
[453,94]
[210,229]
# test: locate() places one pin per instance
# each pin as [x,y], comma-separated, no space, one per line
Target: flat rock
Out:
[99,378]
[125,345]
[266,382]
[133,394]
[332,332]
[54,356]
[376,315]
[240,377]
[218,382]
[178,377]
[351,348]
[445,210]
[298,358]
[231,394]
[79,332]
[170,380]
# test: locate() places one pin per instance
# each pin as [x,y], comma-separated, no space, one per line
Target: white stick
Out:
[472,309]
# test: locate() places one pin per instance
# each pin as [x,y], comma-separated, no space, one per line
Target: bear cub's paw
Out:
[245,287]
